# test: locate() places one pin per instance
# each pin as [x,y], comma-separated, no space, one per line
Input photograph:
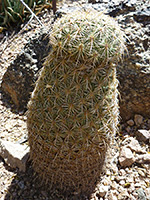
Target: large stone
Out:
[126,157]
[15,155]
[18,81]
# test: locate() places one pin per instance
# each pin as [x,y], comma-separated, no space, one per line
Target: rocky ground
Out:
[127,175]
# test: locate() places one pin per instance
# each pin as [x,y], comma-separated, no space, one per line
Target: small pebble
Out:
[132,197]
[1,35]
[148,123]
[128,129]
[112,196]
[114,185]
[122,172]
[137,185]
[122,182]
[138,119]
[130,122]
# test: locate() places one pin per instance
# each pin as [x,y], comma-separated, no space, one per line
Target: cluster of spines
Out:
[81,40]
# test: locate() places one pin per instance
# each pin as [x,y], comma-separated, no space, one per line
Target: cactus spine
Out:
[73,112]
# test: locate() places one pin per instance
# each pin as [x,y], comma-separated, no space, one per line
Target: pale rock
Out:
[133,144]
[15,155]
[141,194]
[143,135]
[143,159]
[120,189]
[114,185]
[106,181]
[122,172]
[108,173]
[94,196]
[113,166]
[138,119]
[137,185]
[147,192]
[112,196]
[119,178]
[128,170]
[129,179]
[147,181]
[135,173]
[126,157]
[132,197]
[123,195]
[135,195]
[113,177]
[131,189]
[122,182]
[142,172]
[130,122]
[143,184]
[103,190]
[137,178]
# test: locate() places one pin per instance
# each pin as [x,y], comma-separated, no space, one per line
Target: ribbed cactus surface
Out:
[73,111]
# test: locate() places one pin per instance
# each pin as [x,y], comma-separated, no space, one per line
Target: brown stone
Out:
[130,122]
[138,119]
[126,157]
[20,76]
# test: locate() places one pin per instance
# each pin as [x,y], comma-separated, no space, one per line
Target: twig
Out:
[54,6]
[33,15]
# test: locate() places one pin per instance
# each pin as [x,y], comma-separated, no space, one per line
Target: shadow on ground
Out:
[7,102]
[26,186]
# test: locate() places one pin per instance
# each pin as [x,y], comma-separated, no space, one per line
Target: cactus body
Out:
[73,112]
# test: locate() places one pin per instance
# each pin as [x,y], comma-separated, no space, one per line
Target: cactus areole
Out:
[73,111]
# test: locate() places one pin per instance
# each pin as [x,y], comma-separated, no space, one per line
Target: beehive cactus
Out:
[73,111]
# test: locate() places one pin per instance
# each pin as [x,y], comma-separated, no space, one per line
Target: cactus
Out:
[73,111]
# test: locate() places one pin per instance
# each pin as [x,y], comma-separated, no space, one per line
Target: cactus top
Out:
[93,37]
